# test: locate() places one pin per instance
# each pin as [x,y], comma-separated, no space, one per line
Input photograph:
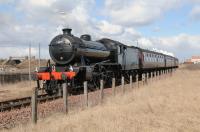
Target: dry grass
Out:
[17,90]
[171,104]
[34,64]
[22,67]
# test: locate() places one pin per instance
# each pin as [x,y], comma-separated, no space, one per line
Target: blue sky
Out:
[167,25]
[172,23]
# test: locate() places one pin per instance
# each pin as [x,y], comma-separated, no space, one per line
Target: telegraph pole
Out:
[30,64]
[39,55]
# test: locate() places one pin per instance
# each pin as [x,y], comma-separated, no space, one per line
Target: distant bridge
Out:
[13,60]
[18,58]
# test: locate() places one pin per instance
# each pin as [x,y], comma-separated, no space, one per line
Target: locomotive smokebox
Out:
[67,31]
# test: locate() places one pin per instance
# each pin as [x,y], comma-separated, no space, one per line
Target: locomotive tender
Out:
[81,59]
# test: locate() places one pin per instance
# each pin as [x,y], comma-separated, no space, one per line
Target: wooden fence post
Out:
[161,74]
[151,76]
[170,72]
[65,97]
[101,91]
[165,72]
[143,78]
[3,79]
[131,81]
[0,79]
[113,87]
[147,77]
[123,88]
[34,105]
[158,75]
[85,93]
[137,80]
[59,91]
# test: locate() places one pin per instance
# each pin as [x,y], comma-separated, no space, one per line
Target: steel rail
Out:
[22,102]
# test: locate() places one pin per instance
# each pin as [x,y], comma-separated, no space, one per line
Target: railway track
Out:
[26,101]
[22,102]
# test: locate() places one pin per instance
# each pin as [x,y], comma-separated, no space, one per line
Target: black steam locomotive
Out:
[81,59]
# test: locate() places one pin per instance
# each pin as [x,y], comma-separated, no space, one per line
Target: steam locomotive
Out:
[82,59]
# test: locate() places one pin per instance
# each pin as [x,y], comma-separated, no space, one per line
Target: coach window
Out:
[145,56]
[150,58]
[119,49]
[153,58]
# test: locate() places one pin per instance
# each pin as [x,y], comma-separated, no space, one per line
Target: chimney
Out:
[67,31]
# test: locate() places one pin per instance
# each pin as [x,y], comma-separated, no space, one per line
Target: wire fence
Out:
[10,78]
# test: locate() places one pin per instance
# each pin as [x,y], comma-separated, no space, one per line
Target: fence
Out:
[74,103]
[6,78]
[89,99]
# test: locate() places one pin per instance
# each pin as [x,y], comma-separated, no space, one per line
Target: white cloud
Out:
[17,51]
[125,35]
[181,45]
[195,12]
[38,21]
[145,43]
[109,28]
[182,41]
[136,12]
[7,1]
[47,3]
